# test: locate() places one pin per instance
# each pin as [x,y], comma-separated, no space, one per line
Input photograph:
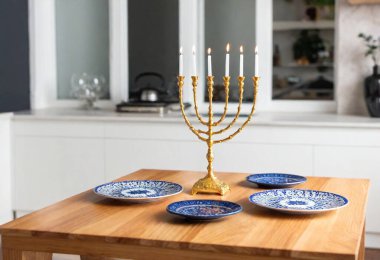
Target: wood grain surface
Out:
[357,2]
[88,224]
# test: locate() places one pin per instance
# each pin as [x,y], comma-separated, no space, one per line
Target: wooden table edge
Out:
[131,250]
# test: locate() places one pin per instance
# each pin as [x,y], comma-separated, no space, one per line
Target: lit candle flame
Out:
[180,50]
[256,50]
[209,51]
[241,49]
[193,49]
[228,47]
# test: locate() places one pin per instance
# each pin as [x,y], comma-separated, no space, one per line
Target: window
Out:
[153,37]
[231,22]
[82,43]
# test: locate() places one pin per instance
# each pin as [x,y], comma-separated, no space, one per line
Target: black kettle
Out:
[147,92]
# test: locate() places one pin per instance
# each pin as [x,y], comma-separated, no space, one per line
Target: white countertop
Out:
[6,115]
[261,118]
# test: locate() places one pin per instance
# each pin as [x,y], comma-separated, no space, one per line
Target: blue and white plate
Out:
[138,191]
[298,201]
[275,180]
[204,209]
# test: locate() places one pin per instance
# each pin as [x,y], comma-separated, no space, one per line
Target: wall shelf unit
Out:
[303,51]
[298,66]
[303,25]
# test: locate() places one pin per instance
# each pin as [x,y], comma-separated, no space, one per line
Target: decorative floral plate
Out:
[138,191]
[298,201]
[204,209]
[276,180]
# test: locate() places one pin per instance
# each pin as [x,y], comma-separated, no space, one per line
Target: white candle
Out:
[194,62]
[209,67]
[180,62]
[256,62]
[227,60]
[241,70]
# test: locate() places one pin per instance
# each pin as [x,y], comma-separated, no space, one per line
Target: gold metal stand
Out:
[211,184]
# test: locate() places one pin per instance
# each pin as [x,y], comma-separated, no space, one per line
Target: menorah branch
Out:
[255,85]
[226,82]
[194,80]
[180,87]
[241,93]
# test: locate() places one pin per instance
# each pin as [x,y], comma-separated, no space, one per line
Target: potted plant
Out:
[320,9]
[372,83]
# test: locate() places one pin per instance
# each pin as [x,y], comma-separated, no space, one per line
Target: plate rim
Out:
[146,198]
[300,210]
[205,216]
[304,179]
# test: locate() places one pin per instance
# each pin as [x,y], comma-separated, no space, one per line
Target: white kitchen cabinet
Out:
[256,158]
[49,169]
[58,128]
[126,156]
[353,162]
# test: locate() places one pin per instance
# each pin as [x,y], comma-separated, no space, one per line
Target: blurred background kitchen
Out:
[88,91]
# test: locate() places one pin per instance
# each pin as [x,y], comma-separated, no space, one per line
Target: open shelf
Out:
[310,66]
[297,42]
[303,25]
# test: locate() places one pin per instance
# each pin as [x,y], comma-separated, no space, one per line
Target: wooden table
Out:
[91,226]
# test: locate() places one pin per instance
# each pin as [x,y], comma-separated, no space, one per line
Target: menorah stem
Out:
[210,159]
[210,154]
[210,184]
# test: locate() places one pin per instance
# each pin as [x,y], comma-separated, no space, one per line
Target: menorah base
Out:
[210,185]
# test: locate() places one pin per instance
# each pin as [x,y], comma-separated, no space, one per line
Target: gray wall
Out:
[153,38]
[14,56]
[234,22]
[82,35]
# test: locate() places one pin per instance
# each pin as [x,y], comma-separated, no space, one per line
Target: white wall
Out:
[352,66]
[5,169]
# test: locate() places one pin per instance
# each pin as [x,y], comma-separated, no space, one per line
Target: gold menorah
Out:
[211,184]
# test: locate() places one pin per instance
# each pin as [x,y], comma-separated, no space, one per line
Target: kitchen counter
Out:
[260,118]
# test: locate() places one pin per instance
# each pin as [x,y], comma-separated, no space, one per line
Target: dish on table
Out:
[298,201]
[138,191]
[276,180]
[204,209]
